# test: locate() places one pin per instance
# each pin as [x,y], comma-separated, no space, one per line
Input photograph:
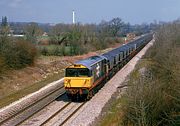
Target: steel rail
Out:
[29,106]
[56,113]
[74,112]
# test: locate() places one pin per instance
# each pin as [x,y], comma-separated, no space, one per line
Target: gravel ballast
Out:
[21,104]
[92,109]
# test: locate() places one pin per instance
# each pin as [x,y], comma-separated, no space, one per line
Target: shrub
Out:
[63,51]
[2,64]
[19,54]
[153,97]
[44,51]
[57,52]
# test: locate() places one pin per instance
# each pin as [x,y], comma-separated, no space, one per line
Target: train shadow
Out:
[65,98]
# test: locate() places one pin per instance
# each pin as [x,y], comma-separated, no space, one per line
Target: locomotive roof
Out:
[90,61]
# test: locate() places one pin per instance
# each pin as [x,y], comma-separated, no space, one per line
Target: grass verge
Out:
[111,113]
[153,95]
[34,87]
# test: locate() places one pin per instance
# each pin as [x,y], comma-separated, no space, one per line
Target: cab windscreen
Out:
[77,72]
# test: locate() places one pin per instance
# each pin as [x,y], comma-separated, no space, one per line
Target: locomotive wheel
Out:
[90,94]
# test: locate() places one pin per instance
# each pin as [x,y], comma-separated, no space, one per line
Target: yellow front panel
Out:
[74,82]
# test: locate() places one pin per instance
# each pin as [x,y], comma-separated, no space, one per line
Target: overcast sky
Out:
[90,11]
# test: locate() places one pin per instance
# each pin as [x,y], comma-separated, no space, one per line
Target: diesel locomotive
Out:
[82,78]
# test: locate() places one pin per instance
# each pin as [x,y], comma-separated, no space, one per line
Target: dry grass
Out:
[153,95]
[154,98]
[30,89]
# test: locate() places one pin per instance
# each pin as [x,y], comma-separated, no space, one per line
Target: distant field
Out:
[57,50]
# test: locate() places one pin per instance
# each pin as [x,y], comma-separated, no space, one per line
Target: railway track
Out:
[56,113]
[16,115]
[53,112]
[63,114]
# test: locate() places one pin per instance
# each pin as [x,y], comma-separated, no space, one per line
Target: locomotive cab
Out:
[77,76]
[83,76]
[77,79]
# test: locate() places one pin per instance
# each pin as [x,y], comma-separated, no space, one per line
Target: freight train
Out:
[82,78]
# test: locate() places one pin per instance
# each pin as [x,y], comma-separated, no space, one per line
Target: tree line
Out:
[15,53]
[60,39]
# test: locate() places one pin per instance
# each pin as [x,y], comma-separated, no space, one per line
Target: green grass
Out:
[34,87]
[43,37]
[50,47]
[113,115]
[55,49]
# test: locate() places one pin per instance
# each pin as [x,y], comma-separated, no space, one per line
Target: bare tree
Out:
[32,31]
[58,33]
[115,26]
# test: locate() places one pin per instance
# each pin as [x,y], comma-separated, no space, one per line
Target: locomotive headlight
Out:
[67,80]
[87,81]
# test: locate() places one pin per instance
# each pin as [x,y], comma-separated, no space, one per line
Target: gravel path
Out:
[90,111]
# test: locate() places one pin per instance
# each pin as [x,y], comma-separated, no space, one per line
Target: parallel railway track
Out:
[59,117]
[74,112]
[63,114]
[55,114]
[17,118]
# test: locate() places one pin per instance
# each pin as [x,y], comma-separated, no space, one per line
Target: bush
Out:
[44,51]
[18,53]
[2,64]
[56,50]
[77,50]
[63,51]
[153,97]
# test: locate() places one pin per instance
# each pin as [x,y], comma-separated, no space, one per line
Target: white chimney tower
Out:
[73,17]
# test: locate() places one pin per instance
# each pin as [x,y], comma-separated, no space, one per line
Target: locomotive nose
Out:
[75,82]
